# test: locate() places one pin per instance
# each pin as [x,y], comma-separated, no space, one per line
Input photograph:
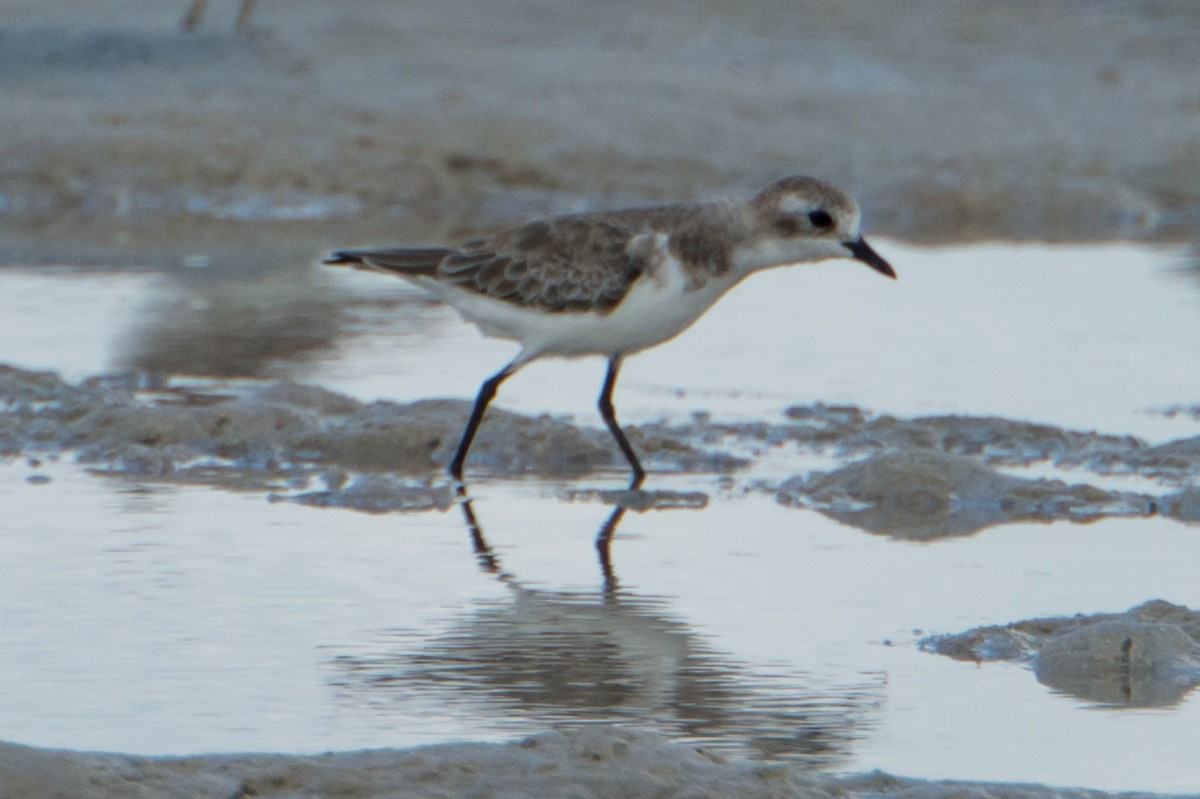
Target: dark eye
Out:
[820,219]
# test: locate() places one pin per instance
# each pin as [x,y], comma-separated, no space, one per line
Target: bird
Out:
[196,10]
[614,283]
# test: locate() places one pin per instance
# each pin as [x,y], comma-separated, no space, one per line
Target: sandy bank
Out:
[599,762]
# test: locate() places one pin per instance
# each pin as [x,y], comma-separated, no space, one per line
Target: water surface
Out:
[160,618]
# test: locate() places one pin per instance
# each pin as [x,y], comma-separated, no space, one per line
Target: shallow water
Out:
[160,618]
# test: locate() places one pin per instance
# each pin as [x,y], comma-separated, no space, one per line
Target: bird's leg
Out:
[243,20]
[610,419]
[486,392]
[192,18]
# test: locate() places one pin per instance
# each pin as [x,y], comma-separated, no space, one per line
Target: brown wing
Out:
[571,263]
[581,262]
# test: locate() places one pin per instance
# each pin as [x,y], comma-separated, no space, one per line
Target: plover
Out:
[613,283]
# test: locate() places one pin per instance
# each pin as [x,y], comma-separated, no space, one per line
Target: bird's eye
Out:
[820,219]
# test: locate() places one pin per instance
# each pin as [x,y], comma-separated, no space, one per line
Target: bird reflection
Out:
[231,329]
[536,657]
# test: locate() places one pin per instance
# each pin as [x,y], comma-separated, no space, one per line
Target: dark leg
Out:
[192,18]
[243,20]
[610,419]
[486,392]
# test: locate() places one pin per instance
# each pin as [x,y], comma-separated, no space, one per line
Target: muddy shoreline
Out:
[924,477]
[585,763]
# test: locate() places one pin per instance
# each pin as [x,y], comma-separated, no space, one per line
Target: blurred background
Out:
[127,140]
[229,150]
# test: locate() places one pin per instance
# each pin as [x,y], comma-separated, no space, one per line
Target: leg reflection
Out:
[489,561]
[484,554]
[603,540]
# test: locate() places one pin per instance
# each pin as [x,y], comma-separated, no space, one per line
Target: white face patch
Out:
[794,204]
[781,252]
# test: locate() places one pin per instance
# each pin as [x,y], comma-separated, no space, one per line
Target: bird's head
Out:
[804,219]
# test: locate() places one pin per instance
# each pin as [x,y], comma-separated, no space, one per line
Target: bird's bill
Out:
[862,251]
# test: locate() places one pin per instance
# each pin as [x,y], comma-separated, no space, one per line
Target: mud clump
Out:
[289,430]
[1121,663]
[1147,656]
[919,493]
[921,478]
[1176,460]
[1001,442]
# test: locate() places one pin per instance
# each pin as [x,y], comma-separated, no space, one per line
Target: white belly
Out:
[656,309]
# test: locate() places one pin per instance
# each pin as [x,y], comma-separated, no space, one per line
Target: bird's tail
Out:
[397,261]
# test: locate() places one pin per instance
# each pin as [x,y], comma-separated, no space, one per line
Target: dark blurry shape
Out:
[231,329]
[192,18]
[538,657]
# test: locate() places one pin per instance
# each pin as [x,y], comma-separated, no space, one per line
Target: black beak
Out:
[863,252]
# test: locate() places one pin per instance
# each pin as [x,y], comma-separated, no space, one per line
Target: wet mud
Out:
[925,477]
[1148,656]
[931,494]
[583,763]
[275,430]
